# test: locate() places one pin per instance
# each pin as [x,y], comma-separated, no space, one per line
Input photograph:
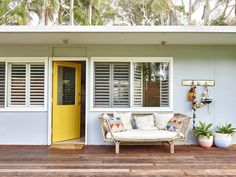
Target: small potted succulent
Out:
[205,136]
[223,135]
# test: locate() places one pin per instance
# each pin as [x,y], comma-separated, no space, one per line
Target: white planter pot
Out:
[222,140]
[205,141]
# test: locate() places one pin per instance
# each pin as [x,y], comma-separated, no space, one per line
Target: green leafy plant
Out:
[226,129]
[203,130]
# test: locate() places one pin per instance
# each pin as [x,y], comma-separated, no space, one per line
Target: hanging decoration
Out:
[192,95]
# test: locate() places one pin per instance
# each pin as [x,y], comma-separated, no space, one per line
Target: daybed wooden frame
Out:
[181,136]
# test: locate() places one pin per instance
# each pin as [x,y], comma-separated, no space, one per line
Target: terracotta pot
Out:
[205,141]
[222,140]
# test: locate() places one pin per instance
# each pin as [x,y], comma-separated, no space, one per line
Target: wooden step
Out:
[67,146]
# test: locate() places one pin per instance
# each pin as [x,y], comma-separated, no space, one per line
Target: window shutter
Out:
[164,89]
[17,84]
[102,85]
[121,85]
[138,85]
[2,84]
[37,84]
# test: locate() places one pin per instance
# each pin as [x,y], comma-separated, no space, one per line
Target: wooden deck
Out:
[132,161]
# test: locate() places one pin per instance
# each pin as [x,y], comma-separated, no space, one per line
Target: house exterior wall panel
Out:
[189,62]
[69,51]
[225,76]
[23,128]
[25,51]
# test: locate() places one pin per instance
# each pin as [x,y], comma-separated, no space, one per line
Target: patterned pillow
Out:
[162,119]
[125,119]
[116,125]
[175,124]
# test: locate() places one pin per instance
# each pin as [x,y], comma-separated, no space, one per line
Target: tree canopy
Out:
[118,12]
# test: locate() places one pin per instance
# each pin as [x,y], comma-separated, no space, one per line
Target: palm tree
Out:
[92,4]
[45,9]
[80,12]
[4,11]
[90,11]
[13,12]
[86,11]
[71,12]
[66,12]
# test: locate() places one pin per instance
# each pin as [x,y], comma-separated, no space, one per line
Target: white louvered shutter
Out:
[37,84]
[120,90]
[17,84]
[164,89]
[2,84]
[138,85]
[102,73]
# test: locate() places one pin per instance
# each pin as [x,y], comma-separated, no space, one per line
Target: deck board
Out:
[132,161]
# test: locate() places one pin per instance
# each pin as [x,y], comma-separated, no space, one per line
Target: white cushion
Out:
[145,122]
[138,134]
[161,120]
[125,119]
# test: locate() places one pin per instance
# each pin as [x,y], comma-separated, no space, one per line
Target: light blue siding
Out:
[190,62]
[23,128]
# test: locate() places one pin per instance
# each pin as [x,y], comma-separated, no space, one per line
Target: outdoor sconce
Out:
[65,41]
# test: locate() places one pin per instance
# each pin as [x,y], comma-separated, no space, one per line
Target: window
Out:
[66,85]
[2,84]
[26,84]
[36,84]
[151,85]
[132,84]
[111,85]
[17,84]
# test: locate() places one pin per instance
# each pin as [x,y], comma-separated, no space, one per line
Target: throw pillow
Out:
[116,125]
[175,124]
[145,122]
[125,119]
[161,119]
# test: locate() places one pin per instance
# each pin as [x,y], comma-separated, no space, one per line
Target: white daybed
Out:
[144,136]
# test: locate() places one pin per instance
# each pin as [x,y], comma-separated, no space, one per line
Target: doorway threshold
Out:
[72,141]
[74,144]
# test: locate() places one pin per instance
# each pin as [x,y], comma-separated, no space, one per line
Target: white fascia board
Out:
[118,29]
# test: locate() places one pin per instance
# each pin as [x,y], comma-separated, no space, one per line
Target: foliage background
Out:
[118,12]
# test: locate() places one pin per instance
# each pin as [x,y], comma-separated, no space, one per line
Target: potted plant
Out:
[223,135]
[205,136]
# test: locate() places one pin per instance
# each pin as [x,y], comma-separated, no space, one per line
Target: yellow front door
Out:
[66,101]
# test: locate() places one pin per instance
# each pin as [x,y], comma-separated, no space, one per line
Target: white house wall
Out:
[189,62]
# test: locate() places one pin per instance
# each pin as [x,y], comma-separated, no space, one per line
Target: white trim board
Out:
[115,29]
[23,59]
[51,59]
[139,35]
